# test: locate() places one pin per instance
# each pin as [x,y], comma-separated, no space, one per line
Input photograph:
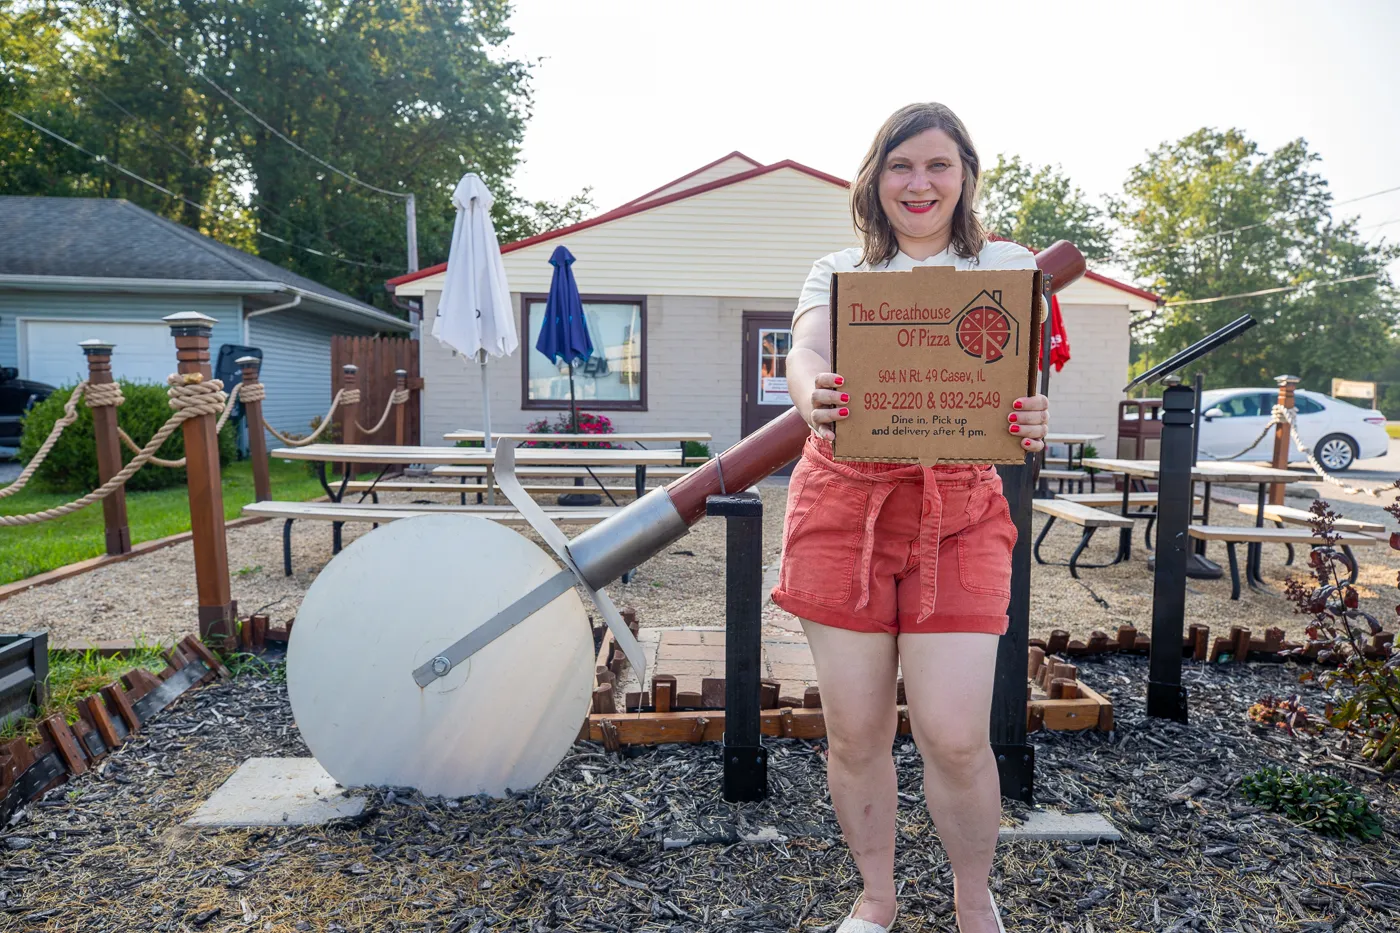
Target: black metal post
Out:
[1015,756]
[1166,697]
[745,760]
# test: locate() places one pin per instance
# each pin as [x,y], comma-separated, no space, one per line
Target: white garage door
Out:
[143,353]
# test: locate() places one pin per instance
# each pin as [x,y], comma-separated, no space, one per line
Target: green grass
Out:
[1393,430]
[29,549]
[74,675]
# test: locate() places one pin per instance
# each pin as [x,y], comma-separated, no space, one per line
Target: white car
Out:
[1337,432]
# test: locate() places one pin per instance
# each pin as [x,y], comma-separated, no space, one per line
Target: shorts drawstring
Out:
[884,479]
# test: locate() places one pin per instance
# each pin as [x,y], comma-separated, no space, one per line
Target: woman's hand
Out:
[1030,421]
[829,404]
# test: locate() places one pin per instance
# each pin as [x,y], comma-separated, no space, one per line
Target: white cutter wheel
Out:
[393,600]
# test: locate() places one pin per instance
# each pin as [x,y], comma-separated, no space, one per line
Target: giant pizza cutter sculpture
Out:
[450,654]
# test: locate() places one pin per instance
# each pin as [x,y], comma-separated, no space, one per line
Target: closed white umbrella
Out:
[474,316]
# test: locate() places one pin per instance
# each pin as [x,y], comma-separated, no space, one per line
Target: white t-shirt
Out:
[997,254]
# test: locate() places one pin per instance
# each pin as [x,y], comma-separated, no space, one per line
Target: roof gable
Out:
[720,176]
[723,167]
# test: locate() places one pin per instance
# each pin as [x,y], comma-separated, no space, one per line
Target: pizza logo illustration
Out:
[984,329]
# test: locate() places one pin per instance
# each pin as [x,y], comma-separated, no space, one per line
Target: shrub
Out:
[695,450]
[71,466]
[1368,705]
[564,424]
[1324,804]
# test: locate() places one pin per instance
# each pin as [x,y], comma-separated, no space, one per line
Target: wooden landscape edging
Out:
[1239,645]
[105,720]
[1055,699]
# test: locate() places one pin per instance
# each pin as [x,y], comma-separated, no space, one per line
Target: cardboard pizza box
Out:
[933,359]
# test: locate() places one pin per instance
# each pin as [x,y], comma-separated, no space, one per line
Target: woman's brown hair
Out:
[878,243]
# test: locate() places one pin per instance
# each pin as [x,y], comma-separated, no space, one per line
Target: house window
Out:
[612,379]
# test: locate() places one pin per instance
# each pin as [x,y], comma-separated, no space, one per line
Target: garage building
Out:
[78,268]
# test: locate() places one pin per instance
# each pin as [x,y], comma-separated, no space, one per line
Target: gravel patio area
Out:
[153,596]
[645,842]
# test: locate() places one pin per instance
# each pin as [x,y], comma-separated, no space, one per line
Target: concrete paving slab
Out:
[1069,827]
[277,792]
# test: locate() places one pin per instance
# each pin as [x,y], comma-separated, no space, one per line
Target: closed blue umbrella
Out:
[564,331]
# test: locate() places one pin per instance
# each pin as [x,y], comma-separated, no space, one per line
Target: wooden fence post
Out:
[191,331]
[109,447]
[257,437]
[400,384]
[349,411]
[1282,440]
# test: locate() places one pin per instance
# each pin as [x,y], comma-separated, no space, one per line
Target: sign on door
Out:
[773,346]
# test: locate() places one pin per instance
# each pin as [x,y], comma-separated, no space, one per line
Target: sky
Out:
[629,95]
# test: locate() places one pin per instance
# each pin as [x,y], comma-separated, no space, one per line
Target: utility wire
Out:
[199,72]
[103,160]
[262,206]
[1265,223]
[1275,291]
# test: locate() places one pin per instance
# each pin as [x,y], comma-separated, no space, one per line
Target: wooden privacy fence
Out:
[380,363]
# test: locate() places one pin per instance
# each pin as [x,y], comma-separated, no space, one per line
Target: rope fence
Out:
[396,397]
[190,397]
[1289,416]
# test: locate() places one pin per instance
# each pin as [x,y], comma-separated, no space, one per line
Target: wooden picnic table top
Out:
[628,437]
[1208,472]
[367,512]
[1072,438]
[475,456]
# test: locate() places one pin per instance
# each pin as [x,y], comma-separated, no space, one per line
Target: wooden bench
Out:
[1085,516]
[563,472]
[1287,515]
[1144,503]
[461,489]
[1249,535]
[1065,476]
[341,512]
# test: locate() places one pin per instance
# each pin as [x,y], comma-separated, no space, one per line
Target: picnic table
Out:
[472,456]
[1208,473]
[1072,441]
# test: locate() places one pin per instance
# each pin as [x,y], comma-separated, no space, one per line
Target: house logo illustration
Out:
[984,329]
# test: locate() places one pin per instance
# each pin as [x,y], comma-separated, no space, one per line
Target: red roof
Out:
[637,205]
[736,154]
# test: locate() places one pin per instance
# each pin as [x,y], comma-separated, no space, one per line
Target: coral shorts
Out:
[879,547]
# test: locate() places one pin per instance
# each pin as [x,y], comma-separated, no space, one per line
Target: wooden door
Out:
[767,339]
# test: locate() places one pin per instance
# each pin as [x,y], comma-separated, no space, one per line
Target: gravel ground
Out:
[645,842]
[153,596]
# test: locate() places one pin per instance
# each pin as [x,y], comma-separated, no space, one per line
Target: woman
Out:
[893,565]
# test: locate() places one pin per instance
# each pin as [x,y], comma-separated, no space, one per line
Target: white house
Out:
[690,290]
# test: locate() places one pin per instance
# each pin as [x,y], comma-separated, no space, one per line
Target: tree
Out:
[202,97]
[1212,215]
[1037,206]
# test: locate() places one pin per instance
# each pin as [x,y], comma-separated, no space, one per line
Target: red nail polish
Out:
[844,412]
[1011,417]
[1016,404]
[845,397]
[840,381]
[1026,443]
[1015,429]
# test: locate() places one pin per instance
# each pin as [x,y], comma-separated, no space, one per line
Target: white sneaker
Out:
[854,925]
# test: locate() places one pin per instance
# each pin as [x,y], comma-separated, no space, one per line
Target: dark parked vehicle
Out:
[17,396]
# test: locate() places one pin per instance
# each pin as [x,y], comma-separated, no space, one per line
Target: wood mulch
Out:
[645,842]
